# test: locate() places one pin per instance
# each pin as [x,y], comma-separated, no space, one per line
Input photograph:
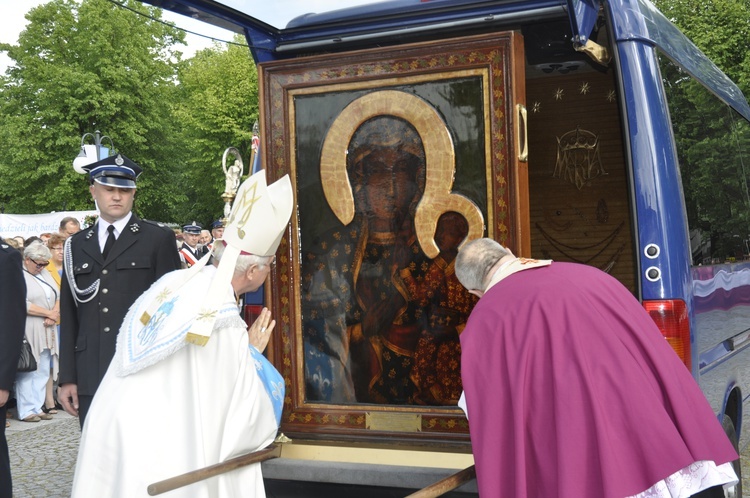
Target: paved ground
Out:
[43,457]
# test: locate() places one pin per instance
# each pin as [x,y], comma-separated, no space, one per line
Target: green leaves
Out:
[720,28]
[217,107]
[92,65]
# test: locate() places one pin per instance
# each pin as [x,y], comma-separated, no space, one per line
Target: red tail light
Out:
[672,319]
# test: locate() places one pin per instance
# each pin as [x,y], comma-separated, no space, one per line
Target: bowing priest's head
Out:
[250,270]
[477,261]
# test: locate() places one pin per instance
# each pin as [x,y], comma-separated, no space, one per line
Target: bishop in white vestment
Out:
[189,387]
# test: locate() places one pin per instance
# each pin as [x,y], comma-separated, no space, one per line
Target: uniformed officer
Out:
[13,319]
[217,231]
[191,251]
[106,268]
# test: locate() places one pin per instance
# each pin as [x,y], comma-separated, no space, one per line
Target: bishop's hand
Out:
[260,331]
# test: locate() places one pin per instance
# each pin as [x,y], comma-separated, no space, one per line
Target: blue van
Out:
[591,131]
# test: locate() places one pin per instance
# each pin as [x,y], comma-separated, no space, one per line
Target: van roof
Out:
[284,28]
[285,21]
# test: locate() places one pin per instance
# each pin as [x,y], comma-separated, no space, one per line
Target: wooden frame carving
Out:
[451,106]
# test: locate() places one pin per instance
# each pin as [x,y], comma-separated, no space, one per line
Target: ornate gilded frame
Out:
[492,192]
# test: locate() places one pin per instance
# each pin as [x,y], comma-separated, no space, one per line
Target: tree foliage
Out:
[713,141]
[720,28]
[217,107]
[82,66]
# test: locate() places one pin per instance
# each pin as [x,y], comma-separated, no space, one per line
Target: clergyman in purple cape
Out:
[572,392]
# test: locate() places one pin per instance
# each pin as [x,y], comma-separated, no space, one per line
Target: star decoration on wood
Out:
[536,107]
[584,88]
[559,94]
[611,96]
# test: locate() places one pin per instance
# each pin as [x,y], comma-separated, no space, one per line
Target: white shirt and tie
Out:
[103,230]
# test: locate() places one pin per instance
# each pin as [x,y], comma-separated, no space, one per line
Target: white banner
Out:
[26,225]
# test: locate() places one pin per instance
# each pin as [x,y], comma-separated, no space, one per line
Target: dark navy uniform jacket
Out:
[12,325]
[12,313]
[143,252]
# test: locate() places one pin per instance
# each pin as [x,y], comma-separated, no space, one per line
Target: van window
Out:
[713,149]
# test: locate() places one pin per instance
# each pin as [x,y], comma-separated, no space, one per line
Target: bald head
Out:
[476,261]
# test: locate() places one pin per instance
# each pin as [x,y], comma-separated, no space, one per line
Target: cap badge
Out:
[119,160]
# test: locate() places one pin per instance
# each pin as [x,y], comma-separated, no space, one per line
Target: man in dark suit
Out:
[106,268]
[12,325]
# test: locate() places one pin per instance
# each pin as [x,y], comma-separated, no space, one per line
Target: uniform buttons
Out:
[104,272]
[132,263]
[104,291]
[105,310]
[106,329]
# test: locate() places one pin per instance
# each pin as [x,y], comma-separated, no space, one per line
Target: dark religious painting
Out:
[398,156]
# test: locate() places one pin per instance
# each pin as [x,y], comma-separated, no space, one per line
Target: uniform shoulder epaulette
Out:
[159,224]
[80,233]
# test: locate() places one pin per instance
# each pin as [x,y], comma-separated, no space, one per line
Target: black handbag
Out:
[26,362]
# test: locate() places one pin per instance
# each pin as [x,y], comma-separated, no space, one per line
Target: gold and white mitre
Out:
[259,217]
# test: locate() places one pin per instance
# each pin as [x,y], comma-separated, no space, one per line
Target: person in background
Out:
[202,365]
[55,269]
[205,239]
[178,238]
[12,242]
[571,390]
[20,241]
[45,237]
[31,240]
[217,229]
[13,319]
[69,226]
[43,313]
[191,251]
[107,267]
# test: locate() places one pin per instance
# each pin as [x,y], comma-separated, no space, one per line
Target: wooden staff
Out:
[271,451]
[448,484]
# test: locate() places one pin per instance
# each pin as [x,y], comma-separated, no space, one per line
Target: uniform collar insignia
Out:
[5,246]
[89,234]
[135,227]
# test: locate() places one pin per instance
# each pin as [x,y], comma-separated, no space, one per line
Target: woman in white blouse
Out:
[42,314]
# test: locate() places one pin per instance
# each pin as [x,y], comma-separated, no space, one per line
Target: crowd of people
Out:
[34,392]
[42,266]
